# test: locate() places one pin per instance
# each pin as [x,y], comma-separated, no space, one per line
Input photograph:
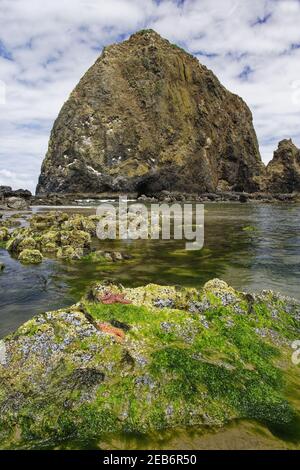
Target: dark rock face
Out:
[148,117]
[283,172]
[10,199]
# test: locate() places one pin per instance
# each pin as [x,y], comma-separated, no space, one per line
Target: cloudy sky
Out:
[46,46]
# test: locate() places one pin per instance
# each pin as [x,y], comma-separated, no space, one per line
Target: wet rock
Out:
[27,243]
[4,234]
[17,203]
[189,146]
[7,192]
[59,234]
[97,368]
[75,239]
[243,198]
[23,193]
[29,256]
[2,266]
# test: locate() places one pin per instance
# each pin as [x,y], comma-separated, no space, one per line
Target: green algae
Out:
[205,359]
[4,234]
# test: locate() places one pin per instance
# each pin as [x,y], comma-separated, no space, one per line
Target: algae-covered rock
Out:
[50,247]
[4,234]
[283,171]
[13,243]
[28,243]
[82,223]
[69,253]
[18,237]
[75,238]
[100,255]
[11,222]
[50,236]
[141,359]
[29,256]
[42,221]
[49,241]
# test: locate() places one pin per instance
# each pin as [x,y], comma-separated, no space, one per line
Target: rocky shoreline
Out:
[11,200]
[145,359]
[53,234]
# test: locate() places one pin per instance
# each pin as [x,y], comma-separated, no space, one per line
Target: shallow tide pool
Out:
[252,247]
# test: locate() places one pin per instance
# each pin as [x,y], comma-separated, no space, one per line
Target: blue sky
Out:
[253,46]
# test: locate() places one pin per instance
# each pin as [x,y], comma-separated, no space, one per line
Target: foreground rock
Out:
[17,203]
[147,116]
[283,172]
[149,358]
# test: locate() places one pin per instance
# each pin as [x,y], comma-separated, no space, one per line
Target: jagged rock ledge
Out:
[19,199]
[148,358]
[165,196]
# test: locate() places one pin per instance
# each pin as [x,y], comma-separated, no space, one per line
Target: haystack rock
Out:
[283,172]
[146,117]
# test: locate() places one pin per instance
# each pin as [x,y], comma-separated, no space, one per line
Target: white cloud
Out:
[45,47]
[13,179]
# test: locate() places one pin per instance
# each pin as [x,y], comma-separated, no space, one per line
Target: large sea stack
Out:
[146,117]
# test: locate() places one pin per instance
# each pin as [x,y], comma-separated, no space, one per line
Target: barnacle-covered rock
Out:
[147,117]
[136,360]
[29,256]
